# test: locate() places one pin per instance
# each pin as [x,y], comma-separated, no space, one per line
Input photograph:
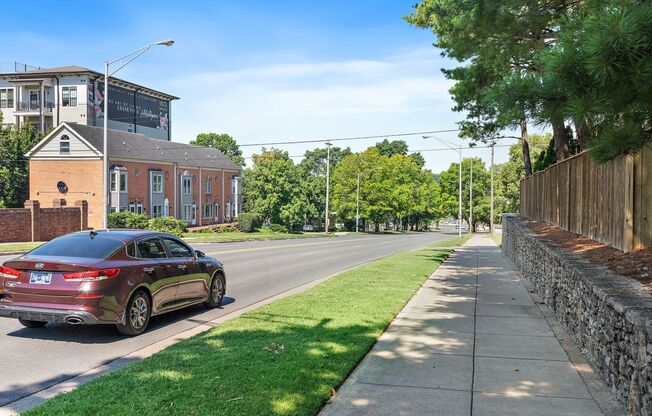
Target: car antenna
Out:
[93,233]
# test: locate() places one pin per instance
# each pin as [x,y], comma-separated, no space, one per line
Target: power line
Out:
[442,149]
[380,136]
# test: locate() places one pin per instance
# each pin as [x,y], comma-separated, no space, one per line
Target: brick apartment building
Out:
[150,176]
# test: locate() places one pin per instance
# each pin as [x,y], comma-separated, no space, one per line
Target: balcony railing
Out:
[34,106]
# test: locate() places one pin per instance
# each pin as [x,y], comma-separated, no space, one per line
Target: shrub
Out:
[127,219]
[168,225]
[247,221]
[278,228]
[227,229]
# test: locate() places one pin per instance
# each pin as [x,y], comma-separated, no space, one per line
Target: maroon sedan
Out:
[120,277]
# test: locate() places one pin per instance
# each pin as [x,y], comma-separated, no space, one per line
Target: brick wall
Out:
[16,225]
[34,223]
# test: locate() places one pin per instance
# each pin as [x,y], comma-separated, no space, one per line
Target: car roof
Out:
[124,234]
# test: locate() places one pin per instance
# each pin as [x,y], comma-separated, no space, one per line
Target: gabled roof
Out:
[127,145]
[75,69]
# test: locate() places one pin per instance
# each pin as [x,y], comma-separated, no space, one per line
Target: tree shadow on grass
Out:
[283,359]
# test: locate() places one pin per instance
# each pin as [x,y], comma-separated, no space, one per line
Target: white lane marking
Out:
[308,254]
[242,250]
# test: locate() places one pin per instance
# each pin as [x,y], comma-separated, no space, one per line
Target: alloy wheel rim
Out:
[138,312]
[217,290]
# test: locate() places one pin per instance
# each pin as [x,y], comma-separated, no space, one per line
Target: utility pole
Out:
[459,212]
[471,201]
[357,205]
[491,211]
[328,182]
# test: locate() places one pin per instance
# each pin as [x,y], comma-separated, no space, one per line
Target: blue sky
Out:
[260,71]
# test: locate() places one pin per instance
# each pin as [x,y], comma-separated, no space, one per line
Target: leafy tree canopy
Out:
[222,142]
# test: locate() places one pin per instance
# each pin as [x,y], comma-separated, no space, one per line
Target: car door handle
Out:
[148,270]
[182,266]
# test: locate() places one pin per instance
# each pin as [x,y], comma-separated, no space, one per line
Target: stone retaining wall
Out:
[609,316]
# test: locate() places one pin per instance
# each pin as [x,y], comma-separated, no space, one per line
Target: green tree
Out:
[313,175]
[499,44]
[392,188]
[14,167]
[507,176]
[273,188]
[449,185]
[222,142]
[395,147]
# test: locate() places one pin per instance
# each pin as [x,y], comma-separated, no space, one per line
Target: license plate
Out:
[40,278]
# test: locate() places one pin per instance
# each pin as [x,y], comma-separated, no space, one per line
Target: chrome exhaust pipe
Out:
[74,320]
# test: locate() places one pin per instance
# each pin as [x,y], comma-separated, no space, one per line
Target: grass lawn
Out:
[284,358]
[498,238]
[13,247]
[238,236]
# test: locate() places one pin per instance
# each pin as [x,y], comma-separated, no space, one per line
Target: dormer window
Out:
[64,144]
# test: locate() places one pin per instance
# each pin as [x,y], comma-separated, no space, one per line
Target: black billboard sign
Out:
[127,106]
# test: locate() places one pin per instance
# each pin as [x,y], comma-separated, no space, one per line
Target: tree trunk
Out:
[527,163]
[583,133]
[561,141]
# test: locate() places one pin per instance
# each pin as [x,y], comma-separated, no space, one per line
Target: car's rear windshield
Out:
[79,245]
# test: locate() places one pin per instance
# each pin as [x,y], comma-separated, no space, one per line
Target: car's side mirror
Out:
[200,254]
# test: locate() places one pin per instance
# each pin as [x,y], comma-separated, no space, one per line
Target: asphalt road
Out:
[34,359]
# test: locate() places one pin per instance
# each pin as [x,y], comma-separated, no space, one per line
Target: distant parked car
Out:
[120,277]
[308,227]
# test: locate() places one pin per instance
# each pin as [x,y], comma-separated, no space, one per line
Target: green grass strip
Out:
[284,358]
[15,247]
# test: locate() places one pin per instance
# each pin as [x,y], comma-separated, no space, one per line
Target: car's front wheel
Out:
[139,310]
[32,324]
[216,293]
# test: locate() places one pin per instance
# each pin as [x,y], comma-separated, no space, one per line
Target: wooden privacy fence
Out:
[609,202]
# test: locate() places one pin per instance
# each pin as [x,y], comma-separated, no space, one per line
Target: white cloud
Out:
[405,92]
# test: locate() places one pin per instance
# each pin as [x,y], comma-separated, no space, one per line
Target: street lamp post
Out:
[105,157]
[459,208]
[471,201]
[491,213]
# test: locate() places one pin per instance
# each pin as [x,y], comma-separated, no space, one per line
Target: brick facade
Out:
[82,177]
[135,157]
[34,223]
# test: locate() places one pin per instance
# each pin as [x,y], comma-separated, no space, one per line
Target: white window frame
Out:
[64,140]
[157,188]
[132,207]
[139,208]
[208,186]
[157,211]
[9,95]
[123,174]
[187,212]
[69,93]
[209,213]
[114,181]
[188,180]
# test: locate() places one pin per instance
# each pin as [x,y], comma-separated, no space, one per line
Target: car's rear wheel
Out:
[216,293]
[32,324]
[139,310]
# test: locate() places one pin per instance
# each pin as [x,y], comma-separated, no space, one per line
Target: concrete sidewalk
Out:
[472,341]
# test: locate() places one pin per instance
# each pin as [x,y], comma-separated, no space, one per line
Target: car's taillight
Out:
[91,275]
[9,272]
